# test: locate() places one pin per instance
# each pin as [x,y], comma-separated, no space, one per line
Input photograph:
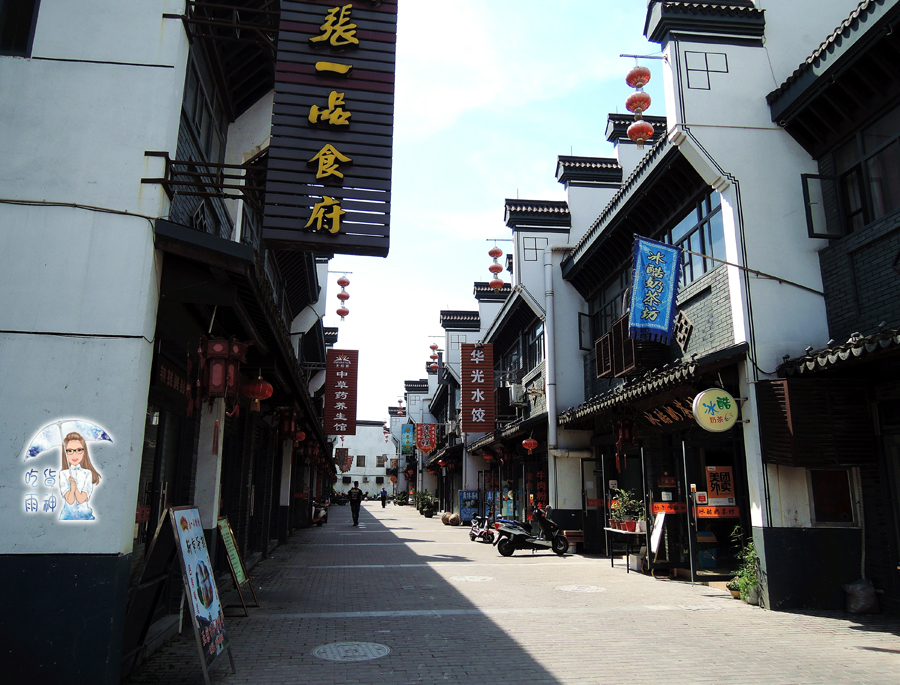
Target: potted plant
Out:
[429,505]
[616,513]
[734,587]
[747,576]
[630,509]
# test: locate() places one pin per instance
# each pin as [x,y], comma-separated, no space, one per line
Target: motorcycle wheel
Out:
[506,547]
[560,544]
[489,538]
[472,537]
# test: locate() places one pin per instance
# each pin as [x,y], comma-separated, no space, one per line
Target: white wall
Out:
[368,441]
[80,287]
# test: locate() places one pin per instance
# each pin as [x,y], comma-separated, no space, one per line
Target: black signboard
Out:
[329,164]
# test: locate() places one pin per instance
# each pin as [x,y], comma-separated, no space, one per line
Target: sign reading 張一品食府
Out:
[328,186]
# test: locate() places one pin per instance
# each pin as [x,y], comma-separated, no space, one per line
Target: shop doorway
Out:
[593,505]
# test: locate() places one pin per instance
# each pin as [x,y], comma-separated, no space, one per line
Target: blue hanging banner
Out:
[657,274]
[407,440]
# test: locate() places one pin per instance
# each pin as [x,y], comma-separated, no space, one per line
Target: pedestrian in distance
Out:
[355,495]
[383,498]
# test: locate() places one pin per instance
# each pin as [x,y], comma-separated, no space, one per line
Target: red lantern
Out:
[343,297]
[433,346]
[342,312]
[488,456]
[530,444]
[496,284]
[299,436]
[495,252]
[433,367]
[441,462]
[640,132]
[638,103]
[257,390]
[638,77]
[495,268]
[434,357]
[343,281]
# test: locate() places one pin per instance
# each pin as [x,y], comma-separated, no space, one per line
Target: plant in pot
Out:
[616,514]
[630,507]
[429,505]
[734,587]
[747,576]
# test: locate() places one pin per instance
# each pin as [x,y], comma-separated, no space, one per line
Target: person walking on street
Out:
[355,495]
[383,498]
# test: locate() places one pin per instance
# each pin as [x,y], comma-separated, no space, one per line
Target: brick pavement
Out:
[455,611]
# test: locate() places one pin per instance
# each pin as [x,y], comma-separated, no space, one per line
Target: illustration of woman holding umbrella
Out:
[76,479]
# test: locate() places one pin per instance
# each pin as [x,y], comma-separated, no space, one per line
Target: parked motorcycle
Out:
[513,537]
[481,530]
[319,512]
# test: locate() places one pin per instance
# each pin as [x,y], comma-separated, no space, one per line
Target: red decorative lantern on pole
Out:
[257,390]
[638,103]
[530,444]
[496,268]
[343,296]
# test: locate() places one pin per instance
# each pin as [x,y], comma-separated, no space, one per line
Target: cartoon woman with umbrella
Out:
[78,476]
[76,483]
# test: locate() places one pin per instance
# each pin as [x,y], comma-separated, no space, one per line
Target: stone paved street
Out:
[454,611]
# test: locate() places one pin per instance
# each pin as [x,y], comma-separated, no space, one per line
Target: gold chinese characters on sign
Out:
[337,31]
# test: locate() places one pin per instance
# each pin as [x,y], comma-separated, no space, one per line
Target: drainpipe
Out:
[553,451]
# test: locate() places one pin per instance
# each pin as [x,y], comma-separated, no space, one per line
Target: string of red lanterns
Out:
[434,357]
[496,268]
[343,296]
[639,102]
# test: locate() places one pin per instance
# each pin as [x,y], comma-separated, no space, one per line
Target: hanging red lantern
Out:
[638,77]
[299,436]
[343,296]
[638,103]
[433,346]
[257,390]
[640,132]
[441,462]
[495,268]
[488,456]
[433,367]
[530,444]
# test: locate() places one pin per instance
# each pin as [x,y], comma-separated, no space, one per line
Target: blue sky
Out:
[488,94]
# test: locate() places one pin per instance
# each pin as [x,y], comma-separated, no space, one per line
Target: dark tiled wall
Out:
[862,287]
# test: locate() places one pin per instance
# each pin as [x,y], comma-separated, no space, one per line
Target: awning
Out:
[650,384]
[447,453]
[509,432]
[856,350]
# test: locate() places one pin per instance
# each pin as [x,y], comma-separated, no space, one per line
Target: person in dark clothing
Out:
[383,498]
[355,495]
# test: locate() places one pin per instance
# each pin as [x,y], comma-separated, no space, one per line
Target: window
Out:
[868,169]
[17,22]
[701,232]
[361,461]
[609,304]
[534,346]
[346,480]
[379,461]
[208,121]
[831,497]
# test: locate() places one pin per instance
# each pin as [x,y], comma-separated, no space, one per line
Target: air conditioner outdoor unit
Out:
[517,396]
[365,479]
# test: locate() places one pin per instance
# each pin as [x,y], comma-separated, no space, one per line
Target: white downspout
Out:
[553,451]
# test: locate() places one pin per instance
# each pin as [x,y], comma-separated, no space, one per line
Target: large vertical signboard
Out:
[340,391]
[426,437]
[477,388]
[329,168]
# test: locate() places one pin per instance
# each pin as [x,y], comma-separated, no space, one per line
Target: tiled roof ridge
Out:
[857,346]
[630,182]
[590,162]
[552,206]
[836,35]
[711,8]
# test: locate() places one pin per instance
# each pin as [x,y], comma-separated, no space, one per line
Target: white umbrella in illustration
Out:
[52,435]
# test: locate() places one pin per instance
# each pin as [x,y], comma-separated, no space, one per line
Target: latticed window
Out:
[361,461]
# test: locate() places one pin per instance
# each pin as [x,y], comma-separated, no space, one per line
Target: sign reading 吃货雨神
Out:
[477,390]
[329,165]
[340,391]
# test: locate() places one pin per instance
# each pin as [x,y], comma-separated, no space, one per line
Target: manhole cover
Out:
[580,588]
[471,579]
[351,651]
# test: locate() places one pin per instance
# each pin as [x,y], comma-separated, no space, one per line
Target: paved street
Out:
[454,611]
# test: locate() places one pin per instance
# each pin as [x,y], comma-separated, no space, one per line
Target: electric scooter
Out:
[513,537]
[481,530]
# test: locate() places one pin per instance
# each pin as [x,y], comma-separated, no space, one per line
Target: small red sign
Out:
[143,513]
[718,512]
[669,507]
